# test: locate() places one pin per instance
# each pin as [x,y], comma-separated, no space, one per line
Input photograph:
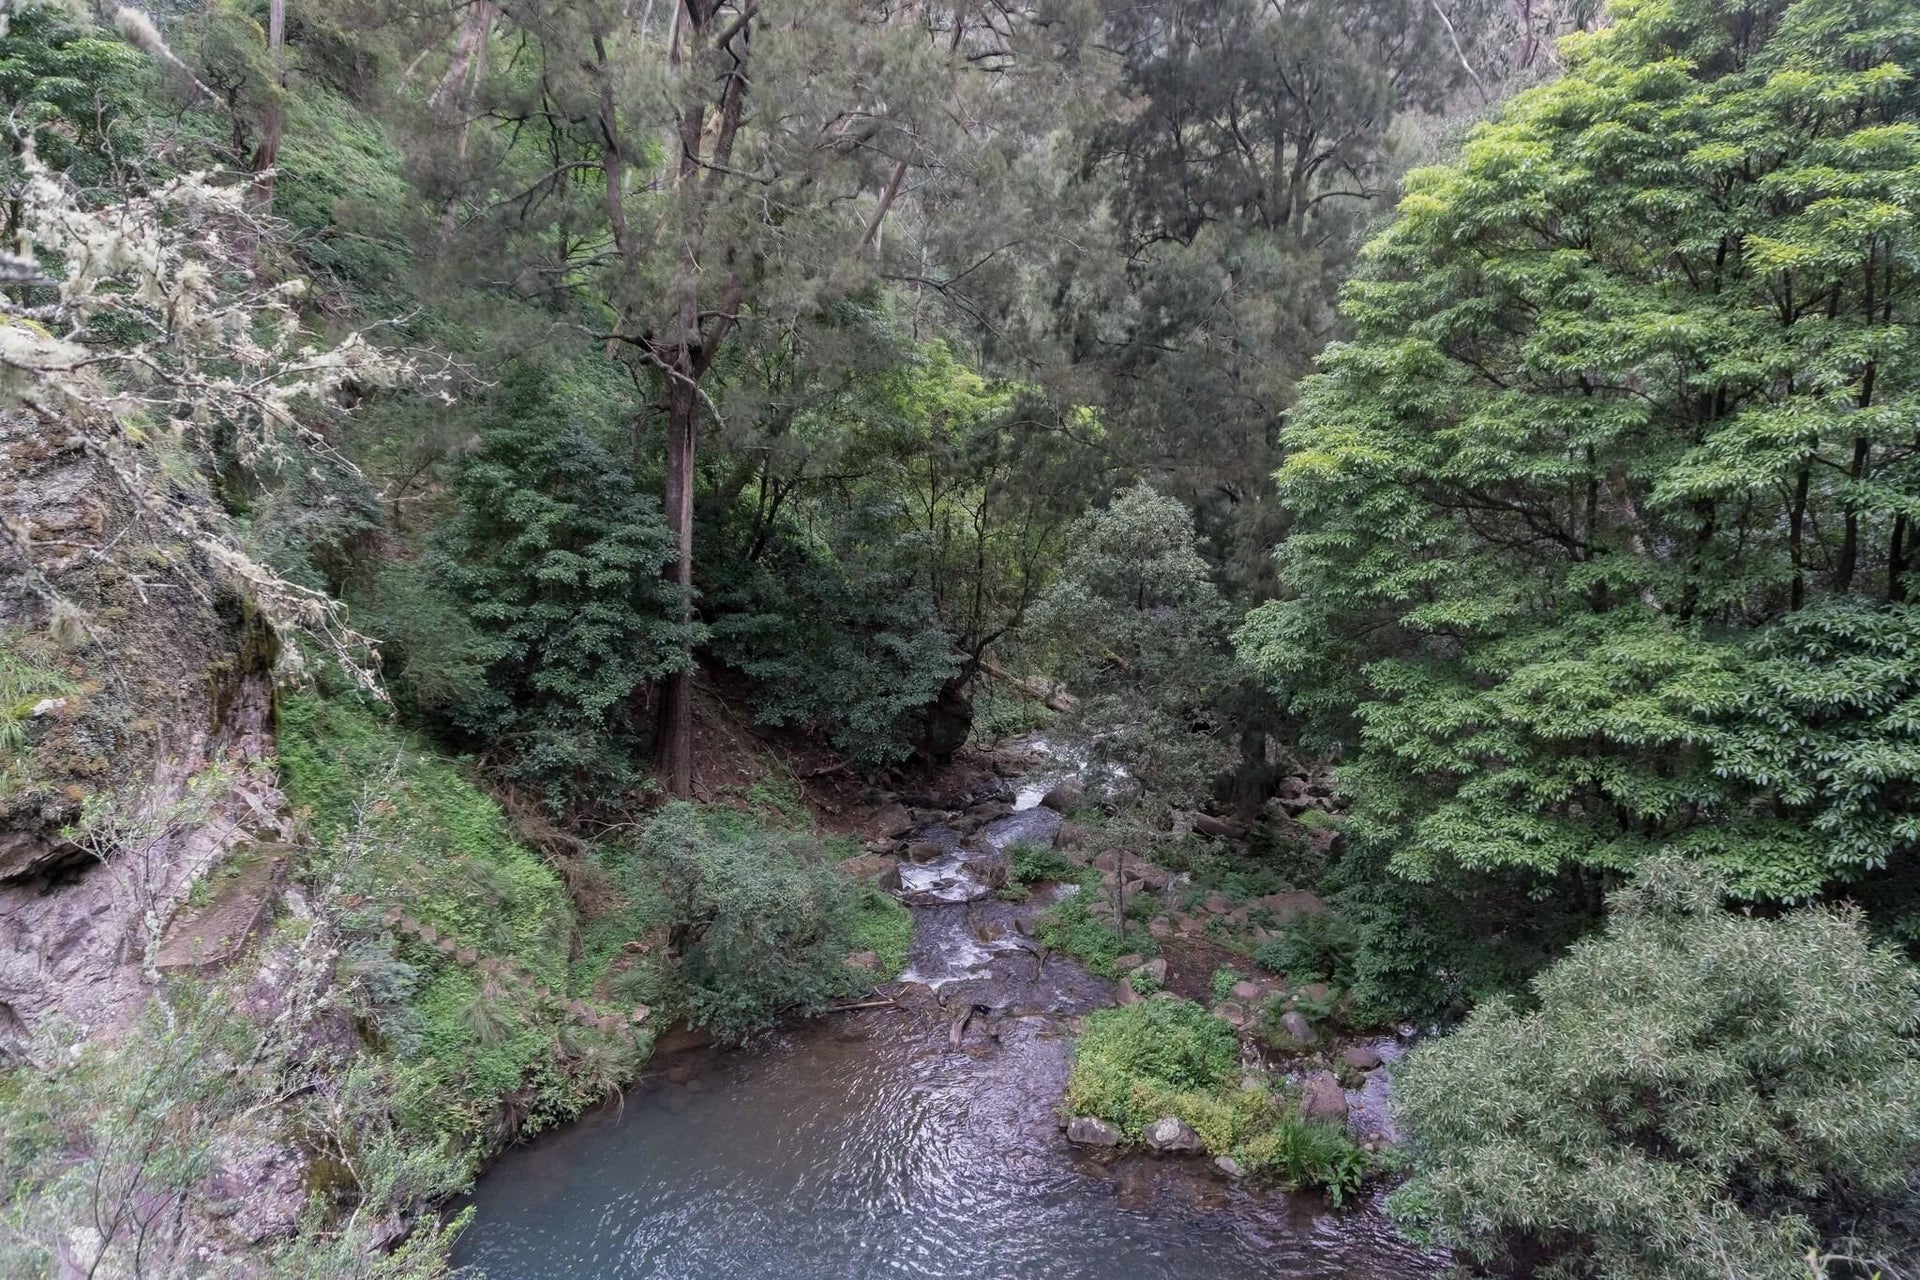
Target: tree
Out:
[1141,632]
[1605,514]
[1248,142]
[556,561]
[1697,1093]
[722,184]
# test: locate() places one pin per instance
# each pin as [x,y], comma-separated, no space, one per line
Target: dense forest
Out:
[520,517]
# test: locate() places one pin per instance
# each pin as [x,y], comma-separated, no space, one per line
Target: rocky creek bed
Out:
[916,1138]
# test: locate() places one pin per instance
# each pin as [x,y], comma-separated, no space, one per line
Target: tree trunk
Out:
[675,761]
[267,154]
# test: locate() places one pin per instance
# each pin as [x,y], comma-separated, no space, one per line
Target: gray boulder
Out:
[1063,798]
[1322,1101]
[1361,1057]
[1296,1031]
[1172,1135]
[1091,1131]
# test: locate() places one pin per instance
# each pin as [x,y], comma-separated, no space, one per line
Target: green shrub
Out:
[1697,1092]
[1302,1154]
[757,923]
[841,637]
[554,557]
[1310,947]
[1223,983]
[1069,927]
[1169,1057]
[1154,1058]
[401,828]
[1037,864]
[885,927]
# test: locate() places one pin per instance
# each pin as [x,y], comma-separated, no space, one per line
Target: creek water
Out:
[915,1140]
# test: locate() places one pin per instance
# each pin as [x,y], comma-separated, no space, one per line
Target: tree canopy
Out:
[1605,514]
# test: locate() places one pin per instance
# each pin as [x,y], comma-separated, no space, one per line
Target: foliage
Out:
[24,683]
[557,559]
[1311,948]
[149,339]
[884,926]
[1605,513]
[107,1152]
[403,829]
[1030,864]
[1141,631]
[841,638]
[1069,926]
[756,923]
[1698,1092]
[1165,1056]
[73,90]
[1136,1063]
[1299,1153]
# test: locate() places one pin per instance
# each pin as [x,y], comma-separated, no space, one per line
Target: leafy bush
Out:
[556,558]
[1038,864]
[1170,1057]
[839,638]
[1311,946]
[401,828]
[1698,1093]
[885,927]
[757,923]
[1299,1153]
[1155,1058]
[1069,927]
[1142,633]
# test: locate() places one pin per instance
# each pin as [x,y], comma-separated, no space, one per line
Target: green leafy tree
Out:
[72,89]
[1141,633]
[1606,513]
[1696,1093]
[556,559]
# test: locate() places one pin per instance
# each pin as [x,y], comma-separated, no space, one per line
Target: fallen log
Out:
[1041,690]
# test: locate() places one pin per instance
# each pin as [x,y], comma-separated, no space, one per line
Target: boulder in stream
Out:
[894,820]
[1173,1135]
[1091,1131]
[877,869]
[923,851]
[1322,1099]
[1361,1057]
[1296,1031]
[1064,798]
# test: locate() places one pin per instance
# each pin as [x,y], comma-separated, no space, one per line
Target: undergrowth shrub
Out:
[754,922]
[1070,927]
[1169,1057]
[1695,1092]
[399,827]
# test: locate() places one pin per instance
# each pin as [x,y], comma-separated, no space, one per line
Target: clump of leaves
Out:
[1069,926]
[1029,864]
[1697,1091]
[1170,1057]
[1154,1058]
[756,920]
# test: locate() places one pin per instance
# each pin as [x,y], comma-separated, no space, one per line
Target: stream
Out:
[913,1140]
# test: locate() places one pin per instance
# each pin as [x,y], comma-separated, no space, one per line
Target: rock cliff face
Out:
[158,698]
